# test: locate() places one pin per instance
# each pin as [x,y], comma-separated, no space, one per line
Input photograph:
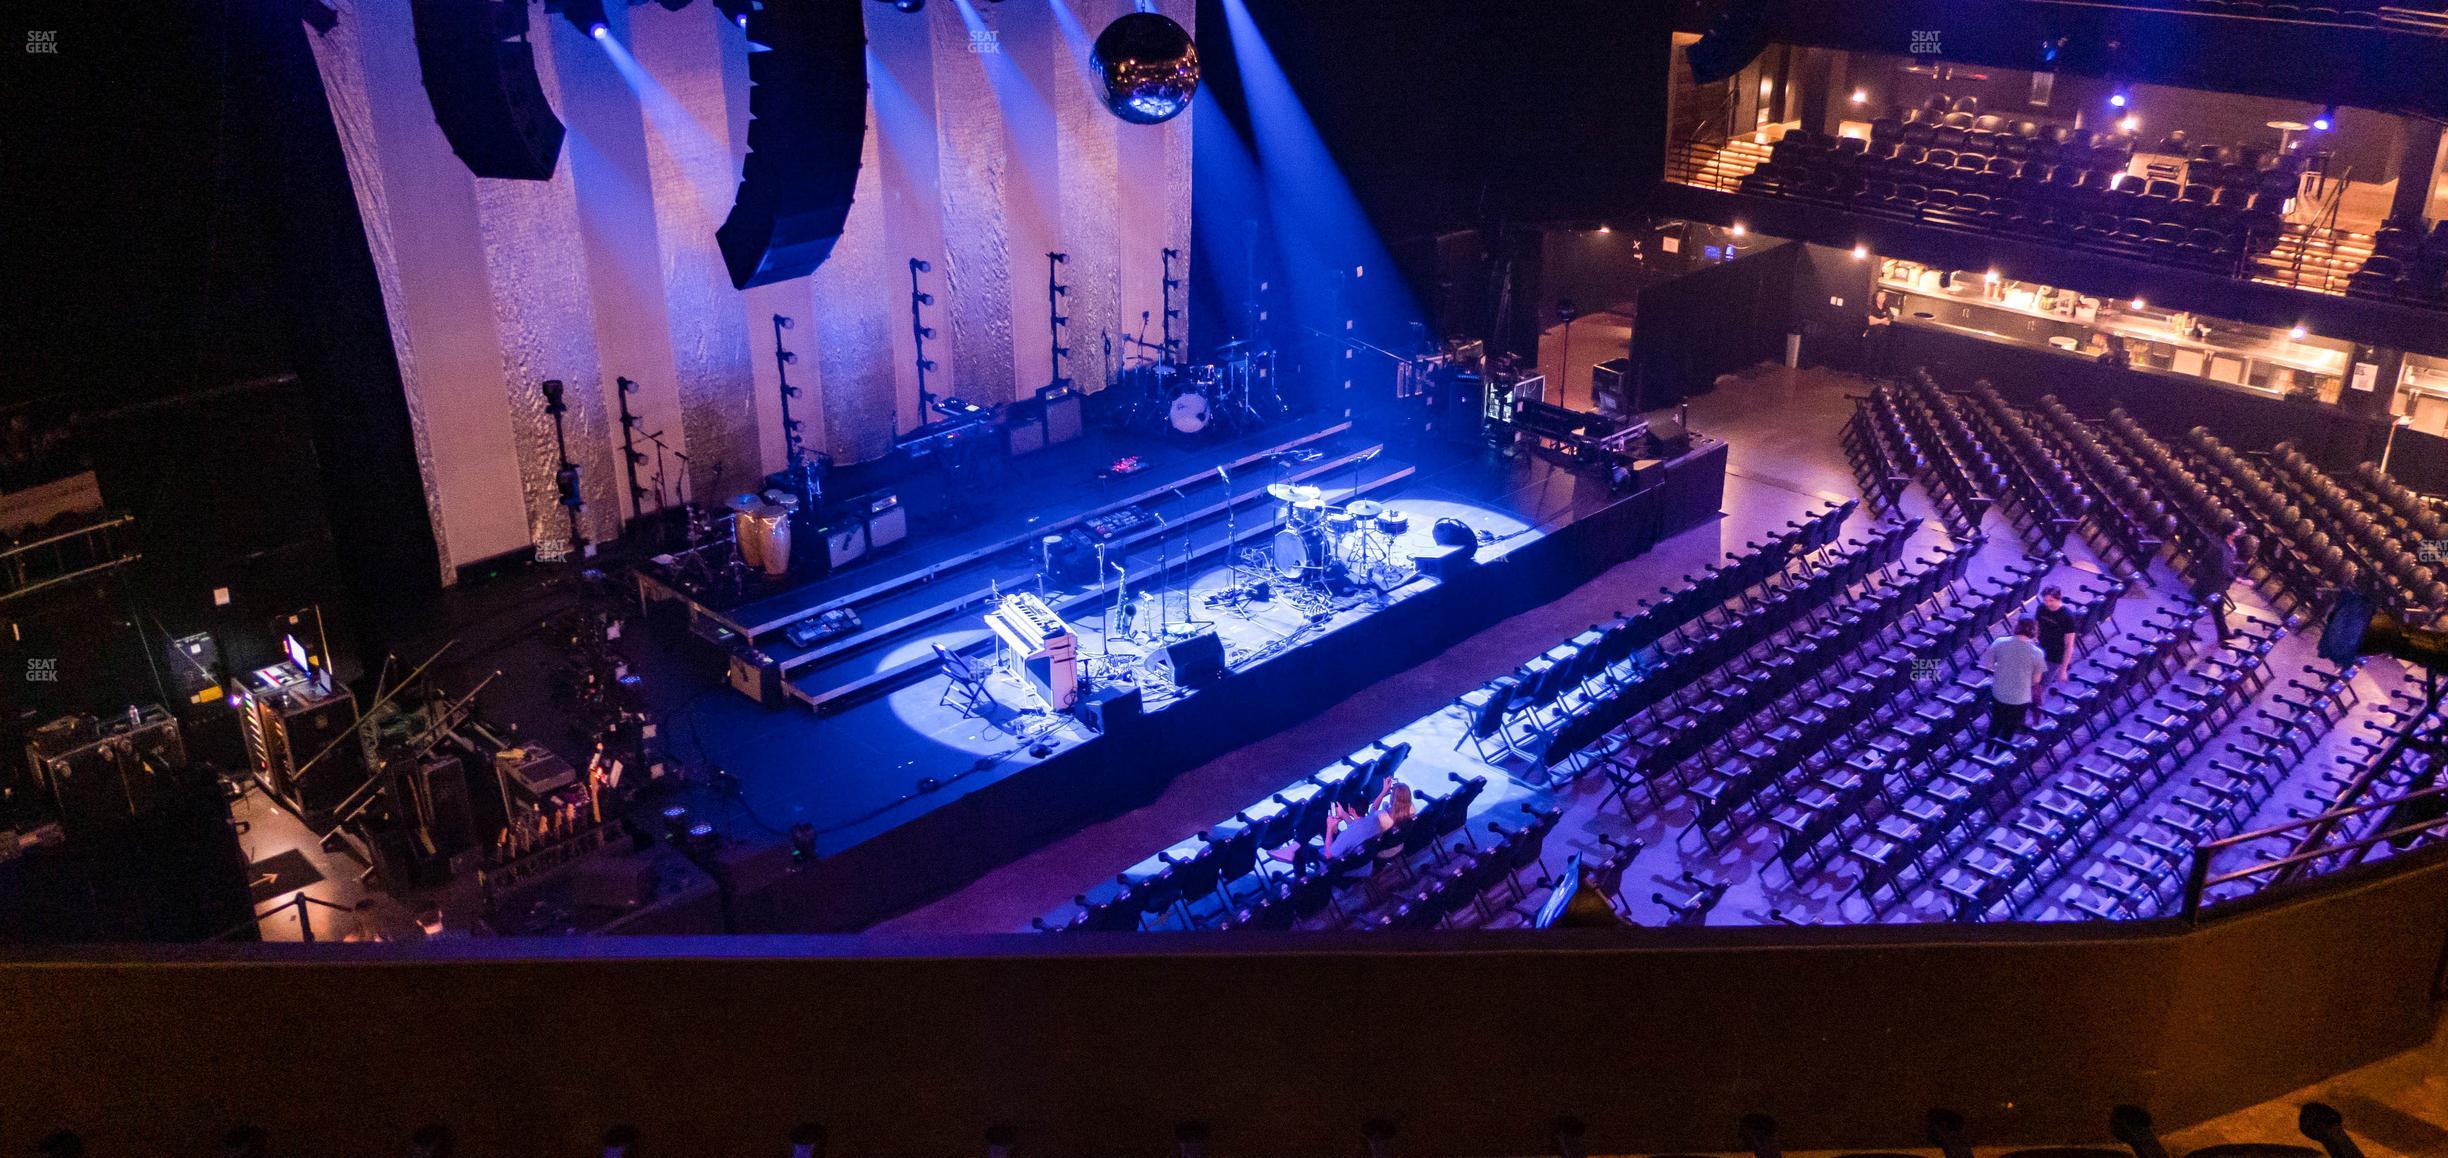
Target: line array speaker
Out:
[480,76]
[807,104]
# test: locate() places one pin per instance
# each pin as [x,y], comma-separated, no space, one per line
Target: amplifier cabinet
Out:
[96,773]
[286,727]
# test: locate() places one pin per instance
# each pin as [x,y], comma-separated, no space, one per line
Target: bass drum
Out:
[1189,412]
[1297,552]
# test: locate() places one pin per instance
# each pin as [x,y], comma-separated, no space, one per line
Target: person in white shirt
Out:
[2016,667]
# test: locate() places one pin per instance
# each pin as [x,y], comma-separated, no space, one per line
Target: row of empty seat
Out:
[2087,763]
[2082,197]
[2408,264]
[2141,862]
[1524,714]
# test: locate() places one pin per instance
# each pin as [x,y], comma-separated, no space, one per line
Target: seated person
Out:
[1346,829]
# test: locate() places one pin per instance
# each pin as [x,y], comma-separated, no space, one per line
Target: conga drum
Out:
[776,532]
[745,533]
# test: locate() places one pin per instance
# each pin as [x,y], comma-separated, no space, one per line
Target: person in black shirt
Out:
[2056,635]
[2216,569]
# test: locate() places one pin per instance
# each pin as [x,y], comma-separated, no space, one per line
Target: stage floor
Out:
[846,773]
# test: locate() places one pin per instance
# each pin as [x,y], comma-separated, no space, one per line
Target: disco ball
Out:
[1149,66]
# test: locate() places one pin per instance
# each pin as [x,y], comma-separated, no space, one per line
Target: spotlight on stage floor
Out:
[1149,67]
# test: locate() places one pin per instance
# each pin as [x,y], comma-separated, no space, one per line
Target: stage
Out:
[910,798]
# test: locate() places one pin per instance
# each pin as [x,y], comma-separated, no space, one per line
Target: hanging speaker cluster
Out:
[1733,39]
[480,76]
[807,104]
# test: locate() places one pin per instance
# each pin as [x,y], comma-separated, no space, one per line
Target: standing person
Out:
[2214,571]
[2057,631]
[2015,668]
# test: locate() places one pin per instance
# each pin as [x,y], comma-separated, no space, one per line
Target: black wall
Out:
[1450,116]
[202,299]
[1717,319]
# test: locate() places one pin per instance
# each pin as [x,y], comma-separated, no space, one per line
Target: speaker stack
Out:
[807,101]
[480,76]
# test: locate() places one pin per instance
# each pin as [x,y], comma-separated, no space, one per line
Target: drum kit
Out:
[1325,546]
[1233,393]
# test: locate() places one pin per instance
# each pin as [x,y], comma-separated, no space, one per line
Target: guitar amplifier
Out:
[1062,414]
[97,774]
[871,523]
[755,675]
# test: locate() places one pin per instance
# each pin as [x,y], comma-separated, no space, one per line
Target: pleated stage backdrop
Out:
[987,148]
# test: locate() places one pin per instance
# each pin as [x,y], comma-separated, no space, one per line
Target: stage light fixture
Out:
[908,5]
[2119,98]
[2130,125]
[586,16]
[2297,333]
[1861,252]
[1602,228]
[2328,117]
[1739,230]
[2137,303]
[1861,96]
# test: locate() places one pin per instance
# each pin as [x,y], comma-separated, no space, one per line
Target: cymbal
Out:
[1364,508]
[1294,493]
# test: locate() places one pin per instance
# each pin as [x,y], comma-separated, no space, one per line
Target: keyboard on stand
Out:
[1047,649]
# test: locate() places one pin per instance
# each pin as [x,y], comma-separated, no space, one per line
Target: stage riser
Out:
[1086,602]
[1244,499]
[902,860]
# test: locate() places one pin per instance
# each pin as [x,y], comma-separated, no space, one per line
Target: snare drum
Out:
[1393,523]
[1341,523]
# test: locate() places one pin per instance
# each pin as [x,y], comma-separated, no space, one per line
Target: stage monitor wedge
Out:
[807,100]
[480,76]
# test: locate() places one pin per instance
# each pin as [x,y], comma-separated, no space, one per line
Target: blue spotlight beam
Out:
[1339,278]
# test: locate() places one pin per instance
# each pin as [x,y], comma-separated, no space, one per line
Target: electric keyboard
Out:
[1047,649]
